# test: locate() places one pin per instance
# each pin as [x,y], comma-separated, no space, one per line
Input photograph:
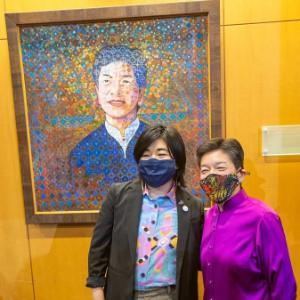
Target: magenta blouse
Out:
[244,254]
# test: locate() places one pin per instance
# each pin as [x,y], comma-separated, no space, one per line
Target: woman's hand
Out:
[98,294]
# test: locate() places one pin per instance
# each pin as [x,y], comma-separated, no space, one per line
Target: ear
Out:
[141,97]
[241,175]
[98,94]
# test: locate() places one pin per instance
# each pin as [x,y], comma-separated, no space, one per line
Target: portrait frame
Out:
[16,21]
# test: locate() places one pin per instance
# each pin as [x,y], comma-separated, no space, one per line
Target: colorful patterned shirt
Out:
[157,240]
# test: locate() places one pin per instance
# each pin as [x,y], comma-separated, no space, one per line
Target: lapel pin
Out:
[185,208]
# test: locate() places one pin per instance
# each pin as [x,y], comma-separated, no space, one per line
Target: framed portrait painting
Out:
[88,82]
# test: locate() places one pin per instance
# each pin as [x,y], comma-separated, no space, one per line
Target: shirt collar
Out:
[132,127]
[129,133]
[171,194]
[238,199]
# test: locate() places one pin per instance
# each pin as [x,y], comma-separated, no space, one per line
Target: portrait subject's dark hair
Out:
[231,147]
[174,143]
[131,56]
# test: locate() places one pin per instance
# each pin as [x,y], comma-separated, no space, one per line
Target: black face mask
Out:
[157,172]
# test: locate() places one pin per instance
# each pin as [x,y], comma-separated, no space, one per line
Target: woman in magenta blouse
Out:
[244,254]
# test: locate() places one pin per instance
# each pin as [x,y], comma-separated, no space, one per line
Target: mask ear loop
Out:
[243,172]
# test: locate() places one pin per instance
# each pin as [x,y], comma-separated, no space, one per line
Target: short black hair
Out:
[174,143]
[131,56]
[231,147]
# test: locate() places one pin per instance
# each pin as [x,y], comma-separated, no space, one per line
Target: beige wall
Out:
[260,43]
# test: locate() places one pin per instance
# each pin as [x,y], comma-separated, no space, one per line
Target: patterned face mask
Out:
[219,188]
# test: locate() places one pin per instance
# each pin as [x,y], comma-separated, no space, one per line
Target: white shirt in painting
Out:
[129,133]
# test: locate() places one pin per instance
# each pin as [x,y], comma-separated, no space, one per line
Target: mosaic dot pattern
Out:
[63,109]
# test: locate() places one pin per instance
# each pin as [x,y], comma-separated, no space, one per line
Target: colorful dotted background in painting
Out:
[62,103]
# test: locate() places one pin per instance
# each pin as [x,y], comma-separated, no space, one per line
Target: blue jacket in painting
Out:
[98,161]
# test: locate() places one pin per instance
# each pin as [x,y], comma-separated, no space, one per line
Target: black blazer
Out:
[112,255]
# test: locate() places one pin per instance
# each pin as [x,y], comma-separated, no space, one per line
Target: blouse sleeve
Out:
[274,258]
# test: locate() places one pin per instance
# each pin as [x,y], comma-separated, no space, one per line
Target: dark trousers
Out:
[160,293]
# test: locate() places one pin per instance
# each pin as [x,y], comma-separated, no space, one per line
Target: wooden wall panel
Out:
[30,5]
[15,270]
[262,87]
[59,260]
[2,22]
[251,11]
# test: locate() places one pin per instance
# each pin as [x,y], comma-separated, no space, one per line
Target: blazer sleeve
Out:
[101,241]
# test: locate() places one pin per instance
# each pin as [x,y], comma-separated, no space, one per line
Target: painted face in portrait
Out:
[118,92]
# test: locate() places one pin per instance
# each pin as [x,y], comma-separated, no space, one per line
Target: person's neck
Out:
[221,205]
[121,123]
[155,192]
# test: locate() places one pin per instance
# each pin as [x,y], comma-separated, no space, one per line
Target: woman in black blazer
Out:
[117,271]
